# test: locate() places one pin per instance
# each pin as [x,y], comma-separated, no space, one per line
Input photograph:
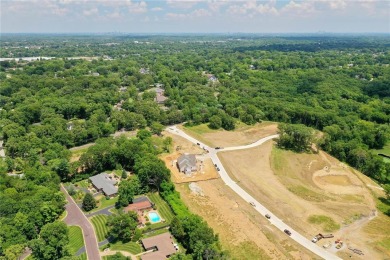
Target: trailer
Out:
[321,236]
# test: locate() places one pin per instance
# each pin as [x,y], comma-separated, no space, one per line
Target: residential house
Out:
[160,98]
[139,204]
[187,163]
[162,247]
[103,183]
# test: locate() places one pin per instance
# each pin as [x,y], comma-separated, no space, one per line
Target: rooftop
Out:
[186,161]
[103,181]
[162,243]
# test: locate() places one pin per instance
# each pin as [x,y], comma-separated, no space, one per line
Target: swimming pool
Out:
[154,217]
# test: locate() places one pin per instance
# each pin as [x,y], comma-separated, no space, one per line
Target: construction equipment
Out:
[339,243]
[321,236]
[356,251]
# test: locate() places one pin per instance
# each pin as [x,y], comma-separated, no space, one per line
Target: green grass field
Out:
[76,240]
[155,233]
[104,203]
[83,184]
[101,229]
[162,207]
[112,257]
[327,223]
[130,247]
[385,150]
[83,256]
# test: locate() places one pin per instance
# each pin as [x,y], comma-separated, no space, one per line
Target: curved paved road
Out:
[76,217]
[303,241]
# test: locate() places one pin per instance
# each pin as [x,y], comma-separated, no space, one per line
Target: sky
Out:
[194,16]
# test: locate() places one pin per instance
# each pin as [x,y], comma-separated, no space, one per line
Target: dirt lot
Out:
[206,169]
[243,232]
[242,135]
[297,186]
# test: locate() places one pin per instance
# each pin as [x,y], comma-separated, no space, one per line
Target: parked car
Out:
[218,169]
[216,148]
[288,232]
[198,143]
[268,216]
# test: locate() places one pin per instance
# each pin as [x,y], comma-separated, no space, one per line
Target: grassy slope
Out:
[162,206]
[101,229]
[130,247]
[76,240]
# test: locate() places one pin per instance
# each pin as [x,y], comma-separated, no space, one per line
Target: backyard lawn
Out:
[101,229]
[162,207]
[112,257]
[130,247]
[76,240]
[82,184]
[104,203]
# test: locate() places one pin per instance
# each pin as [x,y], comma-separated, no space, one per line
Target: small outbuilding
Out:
[187,163]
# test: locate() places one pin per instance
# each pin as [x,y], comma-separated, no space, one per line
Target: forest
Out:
[95,85]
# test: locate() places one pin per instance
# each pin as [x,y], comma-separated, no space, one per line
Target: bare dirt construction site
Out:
[206,169]
[313,193]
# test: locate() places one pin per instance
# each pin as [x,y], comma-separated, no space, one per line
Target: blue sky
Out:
[195,16]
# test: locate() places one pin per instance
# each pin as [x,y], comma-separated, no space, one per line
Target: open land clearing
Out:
[243,134]
[206,169]
[298,188]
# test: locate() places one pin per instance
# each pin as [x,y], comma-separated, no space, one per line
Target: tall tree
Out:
[89,202]
[52,242]
[122,227]
[295,137]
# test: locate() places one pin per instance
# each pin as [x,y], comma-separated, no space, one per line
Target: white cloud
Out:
[182,4]
[200,13]
[175,16]
[92,11]
[140,7]
[341,4]
[253,8]
[156,9]
[302,8]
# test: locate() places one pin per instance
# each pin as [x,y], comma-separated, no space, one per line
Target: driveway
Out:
[303,241]
[76,217]
[105,211]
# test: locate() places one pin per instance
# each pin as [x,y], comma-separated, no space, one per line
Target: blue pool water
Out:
[154,217]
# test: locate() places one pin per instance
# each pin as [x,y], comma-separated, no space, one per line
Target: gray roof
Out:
[102,181]
[140,199]
[186,161]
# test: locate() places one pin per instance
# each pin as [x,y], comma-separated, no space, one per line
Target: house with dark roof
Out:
[139,204]
[103,183]
[161,247]
[187,163]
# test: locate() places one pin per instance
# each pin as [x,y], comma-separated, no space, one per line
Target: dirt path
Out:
[76,217]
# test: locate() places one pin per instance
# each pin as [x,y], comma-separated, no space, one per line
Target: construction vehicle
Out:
[356,251]
[339,243]
[321,236]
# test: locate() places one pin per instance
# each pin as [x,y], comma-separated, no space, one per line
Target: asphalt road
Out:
[303,241]
[76,217]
